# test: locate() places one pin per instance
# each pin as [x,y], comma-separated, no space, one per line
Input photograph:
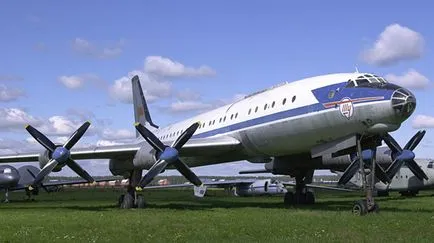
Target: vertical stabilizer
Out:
[141,111]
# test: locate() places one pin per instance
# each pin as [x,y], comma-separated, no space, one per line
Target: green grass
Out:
[177,216]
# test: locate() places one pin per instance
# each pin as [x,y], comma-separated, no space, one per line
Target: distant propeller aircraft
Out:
[323,122]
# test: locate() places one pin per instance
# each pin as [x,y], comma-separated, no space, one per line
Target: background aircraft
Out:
[323,122]
[12,179]
[404,180]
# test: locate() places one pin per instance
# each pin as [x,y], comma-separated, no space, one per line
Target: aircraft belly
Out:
[300,134]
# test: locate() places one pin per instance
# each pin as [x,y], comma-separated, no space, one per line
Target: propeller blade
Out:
[350,171]
[41,138]
[185,136]
[80,171]
[150,137]
[381,174]
[187,173]
[415,140]
[392,144]
[417,171]
[73,139]
[45,171]
[156,169]
[394,167]
[34,177]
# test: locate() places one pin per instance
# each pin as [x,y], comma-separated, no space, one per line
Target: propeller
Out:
[168,155]
[405,155]
[60,155]
[352,169]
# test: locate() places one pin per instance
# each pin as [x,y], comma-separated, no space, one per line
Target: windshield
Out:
[366,80]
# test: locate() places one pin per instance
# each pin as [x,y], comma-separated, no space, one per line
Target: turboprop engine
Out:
[144,158]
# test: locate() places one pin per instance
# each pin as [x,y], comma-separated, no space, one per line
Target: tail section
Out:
[141,111]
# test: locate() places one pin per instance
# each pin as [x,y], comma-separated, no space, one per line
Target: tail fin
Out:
[141,111]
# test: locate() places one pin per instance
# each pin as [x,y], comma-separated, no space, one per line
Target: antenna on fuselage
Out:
[357,70]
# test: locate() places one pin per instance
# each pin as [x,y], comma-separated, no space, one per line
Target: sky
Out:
[62,63]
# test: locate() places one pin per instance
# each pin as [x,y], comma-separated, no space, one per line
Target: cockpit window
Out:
[366,80]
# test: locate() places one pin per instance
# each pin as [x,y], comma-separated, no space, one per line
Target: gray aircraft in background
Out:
[13,179]
[403,182]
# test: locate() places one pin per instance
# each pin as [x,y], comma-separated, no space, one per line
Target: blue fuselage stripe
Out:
[320,94]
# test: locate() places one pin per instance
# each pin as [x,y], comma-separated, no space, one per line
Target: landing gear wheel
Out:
[140,201]
[120,200]
[375,208]
[360,208]
[128,201]
[288,199]
[310,198]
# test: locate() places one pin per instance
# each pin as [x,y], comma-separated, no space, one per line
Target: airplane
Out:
[13,179]
[404,181]
[322,122]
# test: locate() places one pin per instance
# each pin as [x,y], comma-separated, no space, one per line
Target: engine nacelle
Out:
[119,167]
[145,157]
[43,159]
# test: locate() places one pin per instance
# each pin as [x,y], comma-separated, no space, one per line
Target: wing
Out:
[194,147]
[320,187]
[60,183]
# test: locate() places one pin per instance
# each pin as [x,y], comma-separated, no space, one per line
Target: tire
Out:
[141,201]
[120,199]
[360,208]
[288,198]
[128,202]
[375,209]
[310,198]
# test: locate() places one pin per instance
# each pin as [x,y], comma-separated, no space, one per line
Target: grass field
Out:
[91,215]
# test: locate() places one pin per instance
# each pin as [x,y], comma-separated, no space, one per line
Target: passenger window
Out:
[256,109]
[293,98]
[272,104]
[232,116]
[224,119]
[220,120]
[236,115]
[431,164]
[250,110]
[265,107]
[284,101]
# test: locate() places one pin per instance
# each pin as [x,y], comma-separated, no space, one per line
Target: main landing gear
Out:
[301,195]
[132,199]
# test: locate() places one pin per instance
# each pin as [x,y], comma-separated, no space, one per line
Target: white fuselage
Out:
[292,118]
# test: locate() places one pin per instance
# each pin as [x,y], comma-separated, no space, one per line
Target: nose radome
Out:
[403,102]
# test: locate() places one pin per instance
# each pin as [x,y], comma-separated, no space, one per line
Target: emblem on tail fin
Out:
[346,107]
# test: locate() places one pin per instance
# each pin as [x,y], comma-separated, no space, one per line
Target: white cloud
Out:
[166,67]
[110,134]
[423,121]
[188,95]
[78,81]
[84,47]
[410,79]
[14,118]
[153,88]
[102,142]
[396,43]
[71,82]
[7,94]
[187,106]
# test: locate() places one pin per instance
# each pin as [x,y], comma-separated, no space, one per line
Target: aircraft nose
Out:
[403,102]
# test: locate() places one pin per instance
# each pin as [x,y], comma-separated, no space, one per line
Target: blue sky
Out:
[61,61]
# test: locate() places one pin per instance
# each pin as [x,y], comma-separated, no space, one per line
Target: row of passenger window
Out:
[233,116]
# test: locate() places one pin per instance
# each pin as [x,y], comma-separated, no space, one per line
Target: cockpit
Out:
[366,80]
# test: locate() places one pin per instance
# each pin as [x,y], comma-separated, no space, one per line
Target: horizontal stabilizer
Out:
[254,171]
